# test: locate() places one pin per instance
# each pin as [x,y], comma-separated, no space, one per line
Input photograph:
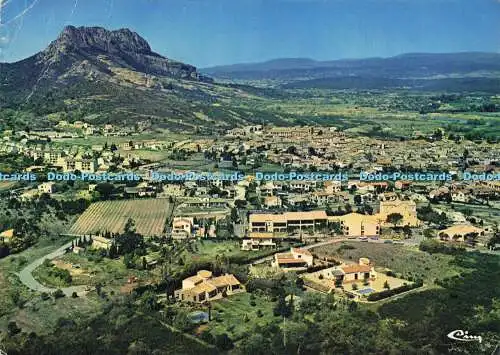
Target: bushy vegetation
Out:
[394,291]
[119,330]
[433,246]
[43,217]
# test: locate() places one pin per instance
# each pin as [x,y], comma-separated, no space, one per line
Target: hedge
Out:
[376,296]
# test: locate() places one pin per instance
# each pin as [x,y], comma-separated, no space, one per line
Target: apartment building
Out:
[358,225]
[287,222]
[407,209]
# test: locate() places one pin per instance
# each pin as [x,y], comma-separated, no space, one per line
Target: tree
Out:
[255,344]
[394,219]
[105,190]
[113,251]
[282,308]
[13,329]
[234,215]
[223,342]
[98,288]
[129,243]
[206,336]
[128,261]
[129,226]
[428,233]
[58,294]
[386,285]
[407,231]
[182,322]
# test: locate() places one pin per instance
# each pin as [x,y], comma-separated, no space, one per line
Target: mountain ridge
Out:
[403,66]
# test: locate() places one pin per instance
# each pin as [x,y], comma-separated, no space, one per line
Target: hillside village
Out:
[360,207]
[244,211]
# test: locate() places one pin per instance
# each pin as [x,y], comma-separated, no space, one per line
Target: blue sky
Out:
[214,32]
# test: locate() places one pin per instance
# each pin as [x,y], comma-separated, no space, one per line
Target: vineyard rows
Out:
[149,216]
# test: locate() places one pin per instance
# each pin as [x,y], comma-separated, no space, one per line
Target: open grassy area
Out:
[42,316]
[410,263]
[235,315]
[90,271]
[53,276]
[208,250]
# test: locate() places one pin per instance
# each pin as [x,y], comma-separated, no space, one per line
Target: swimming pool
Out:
[198,317]
[366,291]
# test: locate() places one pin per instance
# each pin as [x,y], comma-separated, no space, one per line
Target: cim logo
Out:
[463,335]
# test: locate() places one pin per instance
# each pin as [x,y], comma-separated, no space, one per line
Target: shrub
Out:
[223,342]
[58,293]
[13,329]
[394,291]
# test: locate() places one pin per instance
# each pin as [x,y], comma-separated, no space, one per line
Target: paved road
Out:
[26,276]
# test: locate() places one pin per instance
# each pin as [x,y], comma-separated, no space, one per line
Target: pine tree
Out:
[113,252]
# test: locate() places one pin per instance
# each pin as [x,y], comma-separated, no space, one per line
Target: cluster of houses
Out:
[327,148]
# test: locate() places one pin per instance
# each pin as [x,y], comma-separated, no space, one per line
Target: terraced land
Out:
[149,216]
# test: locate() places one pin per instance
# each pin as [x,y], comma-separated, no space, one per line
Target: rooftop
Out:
[461,229]
[355,268]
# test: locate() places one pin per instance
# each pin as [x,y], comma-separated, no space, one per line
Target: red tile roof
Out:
[351,269]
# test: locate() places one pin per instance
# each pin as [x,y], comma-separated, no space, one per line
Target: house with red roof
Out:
[297,258]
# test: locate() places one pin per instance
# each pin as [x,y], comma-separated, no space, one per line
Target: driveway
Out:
[26,276]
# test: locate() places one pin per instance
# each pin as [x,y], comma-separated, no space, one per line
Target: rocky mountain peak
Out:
[100,39]
[121,48]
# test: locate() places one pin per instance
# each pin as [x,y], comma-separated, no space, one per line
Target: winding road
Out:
[26,274]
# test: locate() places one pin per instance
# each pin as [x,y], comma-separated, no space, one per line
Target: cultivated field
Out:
[149,216]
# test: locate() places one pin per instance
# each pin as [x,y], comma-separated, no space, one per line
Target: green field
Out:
[208,250]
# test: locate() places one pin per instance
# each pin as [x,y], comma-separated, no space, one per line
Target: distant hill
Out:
[424,71]
[108,76]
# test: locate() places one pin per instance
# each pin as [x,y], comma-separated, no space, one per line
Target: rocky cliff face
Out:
[99,49]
